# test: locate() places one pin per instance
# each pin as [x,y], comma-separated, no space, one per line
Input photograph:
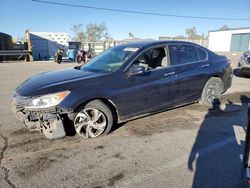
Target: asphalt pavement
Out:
[189,146]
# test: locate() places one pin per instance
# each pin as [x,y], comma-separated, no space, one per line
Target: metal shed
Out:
[231,40]
[5,41]
[44,44]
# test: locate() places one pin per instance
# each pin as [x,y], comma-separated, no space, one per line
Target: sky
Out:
[19,15]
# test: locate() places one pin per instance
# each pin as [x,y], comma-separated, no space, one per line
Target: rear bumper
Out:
[244,70]
[243,66]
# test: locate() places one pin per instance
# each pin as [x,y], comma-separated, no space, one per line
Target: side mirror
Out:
[136,70]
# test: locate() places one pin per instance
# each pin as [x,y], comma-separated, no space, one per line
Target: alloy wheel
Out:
[90,123]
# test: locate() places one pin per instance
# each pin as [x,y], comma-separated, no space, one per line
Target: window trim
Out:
[189,62]
[199,54]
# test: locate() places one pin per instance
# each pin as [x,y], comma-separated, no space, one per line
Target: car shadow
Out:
[237,73]
[215,152]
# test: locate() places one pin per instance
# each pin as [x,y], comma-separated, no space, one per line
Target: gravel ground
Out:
[189,146]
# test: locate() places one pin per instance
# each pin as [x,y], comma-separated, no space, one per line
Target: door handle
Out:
[169,74]
[206,65]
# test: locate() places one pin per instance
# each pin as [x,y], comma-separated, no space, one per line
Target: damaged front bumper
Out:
[49,120]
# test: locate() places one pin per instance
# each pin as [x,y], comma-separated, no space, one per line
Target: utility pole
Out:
[29,57]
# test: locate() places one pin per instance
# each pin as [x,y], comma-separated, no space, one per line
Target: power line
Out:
[141,12]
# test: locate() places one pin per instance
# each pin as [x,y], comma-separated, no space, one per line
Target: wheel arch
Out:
[112,106]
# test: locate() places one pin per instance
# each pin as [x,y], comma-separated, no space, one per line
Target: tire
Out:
[59,60]
[84,120]
[212,92]
[78,59]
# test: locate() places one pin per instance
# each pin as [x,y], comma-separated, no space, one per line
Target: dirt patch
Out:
[186,117]
[33,166]
[179,118]
[20,132]
[114,179]
[99,147]
[68,177]
[119,156]
[24,143]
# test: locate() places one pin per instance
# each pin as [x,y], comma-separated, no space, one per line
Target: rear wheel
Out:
[212,92]
[78,59]
[59,60]
[93,120]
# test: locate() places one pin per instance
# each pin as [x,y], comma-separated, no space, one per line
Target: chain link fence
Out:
[103,45]
[202,42]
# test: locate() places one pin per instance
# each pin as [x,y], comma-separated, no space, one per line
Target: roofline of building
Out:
[240,28]
[41,32]
[1,33]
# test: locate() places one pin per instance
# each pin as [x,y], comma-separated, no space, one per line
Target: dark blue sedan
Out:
[122,83]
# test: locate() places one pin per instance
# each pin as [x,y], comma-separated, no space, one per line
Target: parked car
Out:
[244,63]
[122,83]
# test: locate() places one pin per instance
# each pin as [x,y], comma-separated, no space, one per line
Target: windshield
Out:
[110,60]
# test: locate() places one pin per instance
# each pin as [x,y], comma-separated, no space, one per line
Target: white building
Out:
[45,44]
[231,40]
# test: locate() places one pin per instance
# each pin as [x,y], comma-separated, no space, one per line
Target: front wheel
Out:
[93,120]
[212,92]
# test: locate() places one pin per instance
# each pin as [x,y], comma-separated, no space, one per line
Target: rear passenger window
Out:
[181,54]
[202,54]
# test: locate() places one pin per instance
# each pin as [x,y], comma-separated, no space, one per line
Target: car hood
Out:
[55,81]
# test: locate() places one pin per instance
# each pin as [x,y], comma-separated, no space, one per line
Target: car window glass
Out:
[181,54]
[202,54]
[153,59]
[110,60]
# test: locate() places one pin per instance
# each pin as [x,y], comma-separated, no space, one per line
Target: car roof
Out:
[148,43]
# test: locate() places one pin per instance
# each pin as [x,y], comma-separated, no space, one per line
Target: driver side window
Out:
[153,59]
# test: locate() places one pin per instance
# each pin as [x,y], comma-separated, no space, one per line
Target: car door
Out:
[140,94]
[192,69]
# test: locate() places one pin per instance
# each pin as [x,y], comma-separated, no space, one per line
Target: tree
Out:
[192,33]
[21,38]
[79,35]
[224,27]
[92,32]
[107,37]
[95,32]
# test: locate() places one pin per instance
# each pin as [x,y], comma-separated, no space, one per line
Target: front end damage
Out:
[48,121]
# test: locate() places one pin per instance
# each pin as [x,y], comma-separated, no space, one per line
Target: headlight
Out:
[47,101]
